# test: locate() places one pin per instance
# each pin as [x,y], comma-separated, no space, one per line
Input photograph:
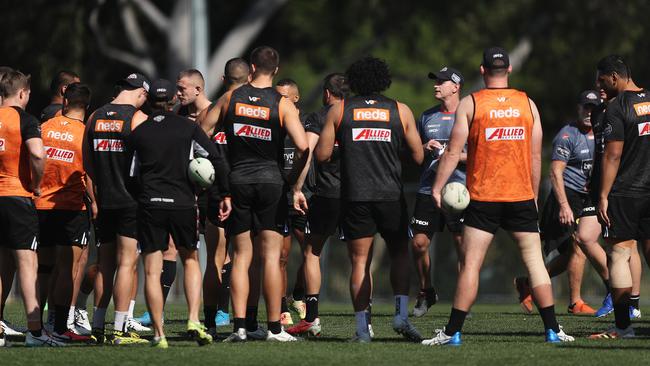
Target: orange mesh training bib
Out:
[499,147]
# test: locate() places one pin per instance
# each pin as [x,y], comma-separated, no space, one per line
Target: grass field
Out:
[495,335]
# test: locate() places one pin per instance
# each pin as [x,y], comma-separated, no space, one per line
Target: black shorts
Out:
[202,204]
[428,219]
[156,225]
[323,216]
[554,234]
[64,227]
[257,207]
[116,221]
[295,221]
[629,218]
[212,214]
[511,216]
[18,223]
[365,219]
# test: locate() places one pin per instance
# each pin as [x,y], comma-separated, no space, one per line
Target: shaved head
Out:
[194,76]
[236,71]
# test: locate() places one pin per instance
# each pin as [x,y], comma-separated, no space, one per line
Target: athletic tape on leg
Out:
[531,253]
[619,267]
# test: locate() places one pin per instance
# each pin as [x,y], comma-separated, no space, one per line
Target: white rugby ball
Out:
[201,172]
[455,197]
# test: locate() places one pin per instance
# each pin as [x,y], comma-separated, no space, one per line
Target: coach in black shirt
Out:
[162,148]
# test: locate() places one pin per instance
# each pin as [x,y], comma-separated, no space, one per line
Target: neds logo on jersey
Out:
[644,128]
[642,109]
[54,153]
[109,125]
[371,134]
[2,144]
[65,136]
[371,114]
[505,113]
[252,111]
[220,138]
[255,132]
[505,133]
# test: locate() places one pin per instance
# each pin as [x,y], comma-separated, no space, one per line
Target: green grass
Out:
[495,335]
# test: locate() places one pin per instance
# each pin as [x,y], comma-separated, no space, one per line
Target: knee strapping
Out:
[531,253]
[619,267]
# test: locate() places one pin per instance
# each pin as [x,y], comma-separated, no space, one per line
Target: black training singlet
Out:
[328,174]
[255,136]
[628,119]
[108,130]
[370,137]
[51,111]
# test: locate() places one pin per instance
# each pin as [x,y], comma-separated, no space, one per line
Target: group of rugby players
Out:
[281,172]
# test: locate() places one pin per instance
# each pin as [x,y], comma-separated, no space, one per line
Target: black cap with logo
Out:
[447,73]
[495,58]
[589,97]
[162,90]
[135,81]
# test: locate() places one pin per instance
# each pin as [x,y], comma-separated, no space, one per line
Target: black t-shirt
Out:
[370,137]
[289,157]
[255,136]
[162,148]
[598,127]
[328,174]
[106,134]
[51,111]
[628,119]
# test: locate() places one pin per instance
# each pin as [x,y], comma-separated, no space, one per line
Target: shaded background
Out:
[554,47]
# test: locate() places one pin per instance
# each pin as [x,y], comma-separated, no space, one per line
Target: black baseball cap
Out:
[492,56]
[162,90]
[589,97]
[135,81]
[447,73]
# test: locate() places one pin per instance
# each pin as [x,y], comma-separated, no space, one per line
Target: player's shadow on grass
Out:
[605,346]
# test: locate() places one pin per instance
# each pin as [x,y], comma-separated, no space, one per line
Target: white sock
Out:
[82,299]
[362,323]
[71,318]
[120,320]
[99,317]
[402,306]
[131,307]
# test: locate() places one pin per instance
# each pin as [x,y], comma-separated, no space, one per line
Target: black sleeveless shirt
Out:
[108,130]
[255,136]
[370,137]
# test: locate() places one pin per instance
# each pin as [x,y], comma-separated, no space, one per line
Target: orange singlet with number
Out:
[499,147]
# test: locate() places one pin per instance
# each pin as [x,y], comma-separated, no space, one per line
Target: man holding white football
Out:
[162,147]
[434,128]
[503,131]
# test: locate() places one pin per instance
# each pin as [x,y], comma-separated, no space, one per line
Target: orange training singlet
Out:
[63,182]
[499,147]
[15,173]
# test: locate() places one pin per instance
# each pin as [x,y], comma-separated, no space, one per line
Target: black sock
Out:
[298,292]
[167,278]
[456,320]
[548,317]
[275,327]
[61,318]
[251,318]
[634,301]
[36,333]
[606,284]
[238,323]
[312,307]
[369,312]
[622,315]
[283,306]
[224,289]
[209,312]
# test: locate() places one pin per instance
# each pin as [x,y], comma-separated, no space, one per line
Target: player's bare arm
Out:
[36,163]
[536,155]
[291,120]
[410,133]
[611,162]
[328,135]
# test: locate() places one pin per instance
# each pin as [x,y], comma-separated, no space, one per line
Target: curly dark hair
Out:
[368,75]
